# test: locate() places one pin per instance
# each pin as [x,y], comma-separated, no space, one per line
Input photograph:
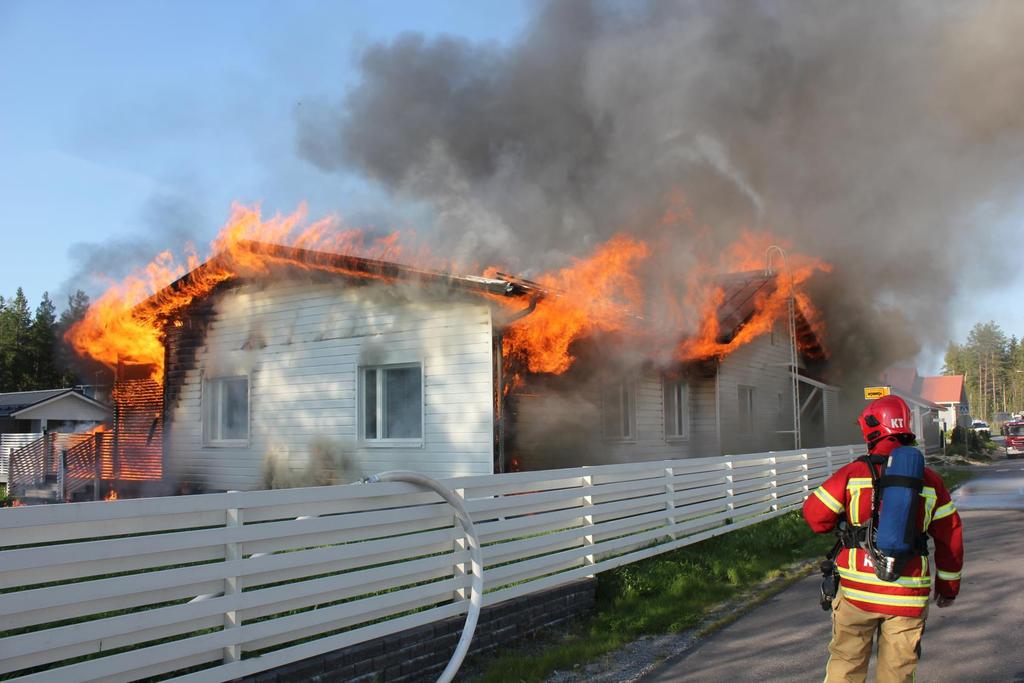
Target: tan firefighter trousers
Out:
[853,629]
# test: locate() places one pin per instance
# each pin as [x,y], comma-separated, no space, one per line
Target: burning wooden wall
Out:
[136,449]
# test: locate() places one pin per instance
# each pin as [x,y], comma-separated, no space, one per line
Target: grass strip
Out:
[955,477]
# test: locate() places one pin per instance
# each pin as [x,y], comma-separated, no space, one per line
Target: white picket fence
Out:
[108,590]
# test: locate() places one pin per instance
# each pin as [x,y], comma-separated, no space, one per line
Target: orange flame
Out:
[593,295]
[125,324]
[603,293]
[769,303]
[599,294]
[112,495]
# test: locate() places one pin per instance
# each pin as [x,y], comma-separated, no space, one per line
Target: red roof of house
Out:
[943,389]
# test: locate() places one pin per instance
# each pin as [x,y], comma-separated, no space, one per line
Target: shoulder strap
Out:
[871,460]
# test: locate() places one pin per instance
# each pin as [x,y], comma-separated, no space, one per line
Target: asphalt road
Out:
[980,638]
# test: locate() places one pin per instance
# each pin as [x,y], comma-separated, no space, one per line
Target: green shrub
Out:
[964,440]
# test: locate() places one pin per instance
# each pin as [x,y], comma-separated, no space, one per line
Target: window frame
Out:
[680,432]
[380,409]
[750,426]
[622,389]
[211,395]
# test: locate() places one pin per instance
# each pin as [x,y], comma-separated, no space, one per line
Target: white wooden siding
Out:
[301,345]
[759,364]
[567,432]
[703,418]
[651,442]
[763,366]
[833,426]
[358,563]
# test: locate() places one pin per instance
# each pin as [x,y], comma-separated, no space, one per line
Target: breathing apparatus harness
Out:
[890,558]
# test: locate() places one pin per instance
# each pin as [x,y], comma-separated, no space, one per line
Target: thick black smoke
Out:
[879,136]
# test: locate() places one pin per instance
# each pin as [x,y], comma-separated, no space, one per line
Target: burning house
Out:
[271,365]
[606,411]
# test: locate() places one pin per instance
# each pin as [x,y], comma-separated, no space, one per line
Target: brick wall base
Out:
[420,654]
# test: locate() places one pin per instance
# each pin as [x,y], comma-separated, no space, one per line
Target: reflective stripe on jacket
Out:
[847,494]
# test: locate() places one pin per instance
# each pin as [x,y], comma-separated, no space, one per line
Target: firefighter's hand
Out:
[943,601]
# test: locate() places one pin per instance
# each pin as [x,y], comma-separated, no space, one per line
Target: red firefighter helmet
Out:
[886,416]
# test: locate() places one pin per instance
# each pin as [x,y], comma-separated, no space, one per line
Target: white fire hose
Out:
[476,559]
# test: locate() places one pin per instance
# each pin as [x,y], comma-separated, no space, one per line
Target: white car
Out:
[980,426]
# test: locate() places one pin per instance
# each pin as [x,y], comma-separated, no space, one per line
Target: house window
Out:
[392,403]
[747,409]
[677,410]
[226,411]
[619,411]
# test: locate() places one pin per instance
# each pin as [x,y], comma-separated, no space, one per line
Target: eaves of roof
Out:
[12,402]
[354,267]
[69,392]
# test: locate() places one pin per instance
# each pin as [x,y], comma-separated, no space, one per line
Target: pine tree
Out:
[42,345]
[78,304]
[18,319]
[986,360]
[6,344]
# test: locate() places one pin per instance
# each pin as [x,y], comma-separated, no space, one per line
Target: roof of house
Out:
[742,293]
[933,390]
[903,379]
[359,267]
[943,389]
[16,400]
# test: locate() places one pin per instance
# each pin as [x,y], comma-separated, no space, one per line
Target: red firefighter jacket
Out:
[847,494]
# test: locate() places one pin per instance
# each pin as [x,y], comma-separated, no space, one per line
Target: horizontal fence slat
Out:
[308,570]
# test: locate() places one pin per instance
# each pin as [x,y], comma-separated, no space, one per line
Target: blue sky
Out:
[117,115]
[124,122]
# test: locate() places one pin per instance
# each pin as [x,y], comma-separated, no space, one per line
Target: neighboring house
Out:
[937,402]
[25,415]
[358,366]
[55,410]
[949,392]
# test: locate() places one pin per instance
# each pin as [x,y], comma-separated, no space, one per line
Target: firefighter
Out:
[865,604]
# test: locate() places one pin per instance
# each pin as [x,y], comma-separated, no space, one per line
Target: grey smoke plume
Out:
[868,134]
[166,221]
